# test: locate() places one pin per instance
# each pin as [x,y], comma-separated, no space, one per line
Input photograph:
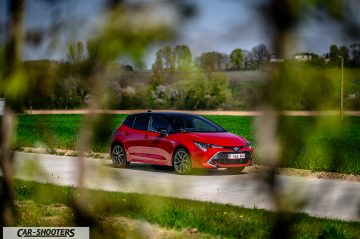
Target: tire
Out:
[182,162]
[236,170]
[118,156]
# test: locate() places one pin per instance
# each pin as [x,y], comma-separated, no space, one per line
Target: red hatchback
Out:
[183,141]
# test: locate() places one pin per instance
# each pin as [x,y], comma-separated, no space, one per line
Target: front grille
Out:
[222,158]
[233,148]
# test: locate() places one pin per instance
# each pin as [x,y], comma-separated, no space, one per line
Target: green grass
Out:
[321,143]
[315,143]
[210,218]
[62,131]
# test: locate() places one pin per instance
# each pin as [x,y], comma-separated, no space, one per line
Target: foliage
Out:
[316,89]
[245,95]
[261,54]
[317,61]
[237,58]
[345,54]
[334,56]
[355,53]
[183,57]
[332,231]
[205,91]
[168,60]
[213,61]
[249,62]
[163,97]
[76,52]
[165,61]
[56,85]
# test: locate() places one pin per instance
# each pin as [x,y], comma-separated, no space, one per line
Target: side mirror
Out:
[162,131]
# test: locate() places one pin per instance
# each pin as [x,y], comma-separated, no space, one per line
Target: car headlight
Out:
[248,144]
[204,147]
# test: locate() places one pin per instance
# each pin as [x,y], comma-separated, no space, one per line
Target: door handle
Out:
[126,133]
[146,136]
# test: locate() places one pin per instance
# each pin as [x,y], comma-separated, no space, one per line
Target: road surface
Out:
[324,197]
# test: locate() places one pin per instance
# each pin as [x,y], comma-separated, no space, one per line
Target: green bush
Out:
[205,91]
[331,231]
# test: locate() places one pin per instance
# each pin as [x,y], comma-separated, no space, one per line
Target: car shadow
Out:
[169,170]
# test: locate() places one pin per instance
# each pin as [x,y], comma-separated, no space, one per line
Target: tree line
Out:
[176,80]
[351,56]
[180,58]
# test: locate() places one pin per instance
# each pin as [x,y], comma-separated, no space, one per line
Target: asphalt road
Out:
[322,197]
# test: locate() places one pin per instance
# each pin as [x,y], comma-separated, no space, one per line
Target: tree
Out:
[76,52]
[249,61]
[158,65]
[183,57]
[237,58]
[170,60]
[316,60]
[345,53]
[261,54]
[355,54]
[334,55]
[92,47]
[205,91]
[158,70]
[214,61]
[165,60]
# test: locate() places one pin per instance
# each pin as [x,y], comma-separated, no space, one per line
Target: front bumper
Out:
[218,158]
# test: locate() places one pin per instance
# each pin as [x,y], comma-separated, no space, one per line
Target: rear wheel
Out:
[182,162]
[118,156]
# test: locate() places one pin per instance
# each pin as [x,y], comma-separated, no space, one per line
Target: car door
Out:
[136,138]
[158,147]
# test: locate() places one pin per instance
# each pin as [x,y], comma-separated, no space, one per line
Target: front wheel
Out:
[118,156]
[182,162]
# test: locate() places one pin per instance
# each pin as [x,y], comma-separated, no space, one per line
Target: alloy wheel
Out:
[182,162]
[118,156]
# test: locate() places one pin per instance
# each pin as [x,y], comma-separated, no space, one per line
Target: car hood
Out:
[219,138]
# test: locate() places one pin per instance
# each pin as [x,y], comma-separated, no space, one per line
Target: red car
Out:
[183,141]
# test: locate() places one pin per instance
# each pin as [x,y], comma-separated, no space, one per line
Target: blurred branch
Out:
[10,92]
[127,31]
[282,17]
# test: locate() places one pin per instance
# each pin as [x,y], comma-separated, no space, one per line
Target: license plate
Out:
[236,156]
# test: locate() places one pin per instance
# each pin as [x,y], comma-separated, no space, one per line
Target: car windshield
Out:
[194,123]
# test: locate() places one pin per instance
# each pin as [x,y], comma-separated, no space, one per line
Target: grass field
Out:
[49,205]
[315,143]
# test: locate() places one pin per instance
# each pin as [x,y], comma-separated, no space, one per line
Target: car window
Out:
[129,121]
[194,123]
[159,122]
[201,125]
[141,122]
[181,123]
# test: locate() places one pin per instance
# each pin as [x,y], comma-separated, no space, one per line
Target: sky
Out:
[219,25]
[223,26]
